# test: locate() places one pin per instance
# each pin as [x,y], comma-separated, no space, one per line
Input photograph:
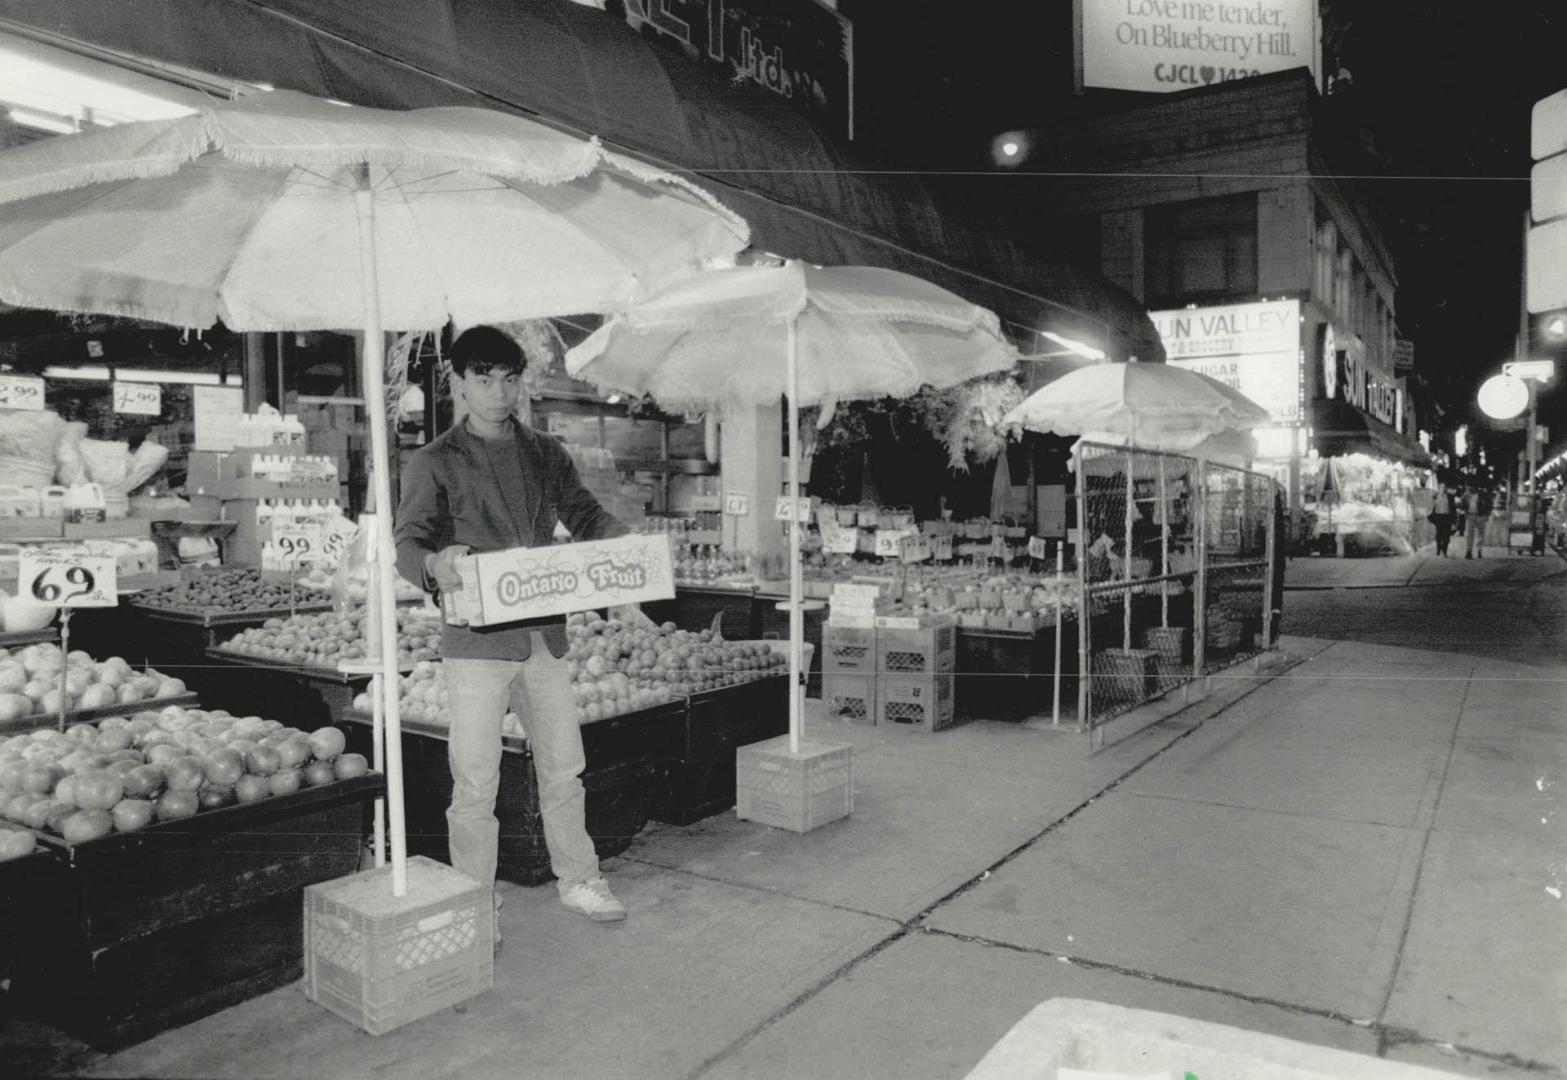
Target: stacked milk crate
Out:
[916,663]
[849,650]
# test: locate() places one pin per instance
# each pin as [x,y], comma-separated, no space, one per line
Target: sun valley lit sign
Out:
[1366,391]
[1253,347]
[1163,45]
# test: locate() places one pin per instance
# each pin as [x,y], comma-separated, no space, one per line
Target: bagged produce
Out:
[27,445]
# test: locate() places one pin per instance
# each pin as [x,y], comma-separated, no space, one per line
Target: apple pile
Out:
[220,592]
[121,774]
[422,698]
[30,682]
[611,658]
[322,640]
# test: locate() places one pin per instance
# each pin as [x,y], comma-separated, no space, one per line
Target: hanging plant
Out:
[972,430]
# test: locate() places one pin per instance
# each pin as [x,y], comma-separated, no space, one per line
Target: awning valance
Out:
[1339,428]
[802,193]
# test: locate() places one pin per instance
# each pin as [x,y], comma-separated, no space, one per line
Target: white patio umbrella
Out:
[841,333]
[1147,406]
[286,212]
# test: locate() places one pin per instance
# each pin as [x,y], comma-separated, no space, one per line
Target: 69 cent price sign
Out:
[68,579]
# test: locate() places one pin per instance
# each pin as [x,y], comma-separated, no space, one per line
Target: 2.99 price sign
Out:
[141,399]
[21,392]
[69,579]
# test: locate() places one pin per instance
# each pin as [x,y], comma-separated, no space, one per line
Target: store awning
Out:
[1339,428]
[802,193]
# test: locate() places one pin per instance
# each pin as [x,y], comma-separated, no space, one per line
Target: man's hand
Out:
[442,566]
[631,615]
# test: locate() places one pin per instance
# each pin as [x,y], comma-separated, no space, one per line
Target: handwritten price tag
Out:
[297,543]
[142,399]
[336,535]
[69,579]
[889,543]
[941,548]
[802,510]
[21,392]
[1036,547]
[838,540]
[998,547]
[737,503]
[915,549]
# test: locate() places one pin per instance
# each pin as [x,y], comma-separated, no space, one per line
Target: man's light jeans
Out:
[539,691]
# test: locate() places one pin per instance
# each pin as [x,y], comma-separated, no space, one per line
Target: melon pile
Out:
[30,682]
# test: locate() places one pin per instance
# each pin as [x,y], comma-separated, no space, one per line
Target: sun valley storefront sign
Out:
[1253,347]
[1365,390]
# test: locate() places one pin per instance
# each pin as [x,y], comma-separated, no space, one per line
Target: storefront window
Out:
[1204,250]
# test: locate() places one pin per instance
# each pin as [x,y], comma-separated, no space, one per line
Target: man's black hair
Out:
[481,349]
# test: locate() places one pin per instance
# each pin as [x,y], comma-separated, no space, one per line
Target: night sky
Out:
[1441,91]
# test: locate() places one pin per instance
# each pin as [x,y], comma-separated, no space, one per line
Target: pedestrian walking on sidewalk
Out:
[489,484]
[1442,514]
[1477,508]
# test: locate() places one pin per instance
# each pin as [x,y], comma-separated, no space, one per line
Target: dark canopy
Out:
[588,71]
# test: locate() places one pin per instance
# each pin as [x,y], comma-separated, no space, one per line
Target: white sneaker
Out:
[593,899]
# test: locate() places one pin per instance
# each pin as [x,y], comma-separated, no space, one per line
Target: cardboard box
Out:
[532,583]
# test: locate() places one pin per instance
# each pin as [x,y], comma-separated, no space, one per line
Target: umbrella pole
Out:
[1126,566]
[796,617]
[386,554]
[1164,549]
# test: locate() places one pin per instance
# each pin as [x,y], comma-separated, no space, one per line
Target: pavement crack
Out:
[764,889]
[1420,863]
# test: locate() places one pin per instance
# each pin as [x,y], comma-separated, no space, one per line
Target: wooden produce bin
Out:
[717,723]
[125,936]
[303,697]
[630,762]
[1009,674]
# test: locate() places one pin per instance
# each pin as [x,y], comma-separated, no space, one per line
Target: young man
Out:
[488,484]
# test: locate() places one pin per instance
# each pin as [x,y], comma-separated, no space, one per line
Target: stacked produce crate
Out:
[916,661]
[849,651]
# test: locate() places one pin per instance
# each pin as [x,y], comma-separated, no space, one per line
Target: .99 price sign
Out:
[68,579]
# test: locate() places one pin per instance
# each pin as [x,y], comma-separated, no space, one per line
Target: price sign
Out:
[998,547]
[889,543]
[738,503]
[69,579]
[1036,547]
[802,510]
[21,392]
[297,543]
[915,549]
[941,547]
[838,540]
[142,399]
[336,535]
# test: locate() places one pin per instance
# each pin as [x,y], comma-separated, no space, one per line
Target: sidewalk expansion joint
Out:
[766,890]
[1420,858]
[1388,1036]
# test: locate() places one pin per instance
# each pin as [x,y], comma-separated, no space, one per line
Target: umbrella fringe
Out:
[130,310]
[77,177]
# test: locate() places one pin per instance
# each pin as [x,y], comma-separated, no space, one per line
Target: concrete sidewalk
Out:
[1424,567]
[1360,848]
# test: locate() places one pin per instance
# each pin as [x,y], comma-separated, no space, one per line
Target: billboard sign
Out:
[1157,46]
[1254,348]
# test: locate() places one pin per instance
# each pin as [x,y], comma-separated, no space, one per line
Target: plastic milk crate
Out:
[798,792]
[916,702]
[848,649]
[927,651]
[382,961]
[849,696]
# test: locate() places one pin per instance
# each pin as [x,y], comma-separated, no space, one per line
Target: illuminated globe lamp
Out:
[1503,397]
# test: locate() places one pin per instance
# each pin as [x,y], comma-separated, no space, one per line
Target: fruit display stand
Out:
[309,695]
[630,759]
[699,605]
[772,617]
[717,723]
[79,716]
[19,638]
[1009,674]
[132,933]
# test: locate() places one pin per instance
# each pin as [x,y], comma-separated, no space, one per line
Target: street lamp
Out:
[1505,396]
